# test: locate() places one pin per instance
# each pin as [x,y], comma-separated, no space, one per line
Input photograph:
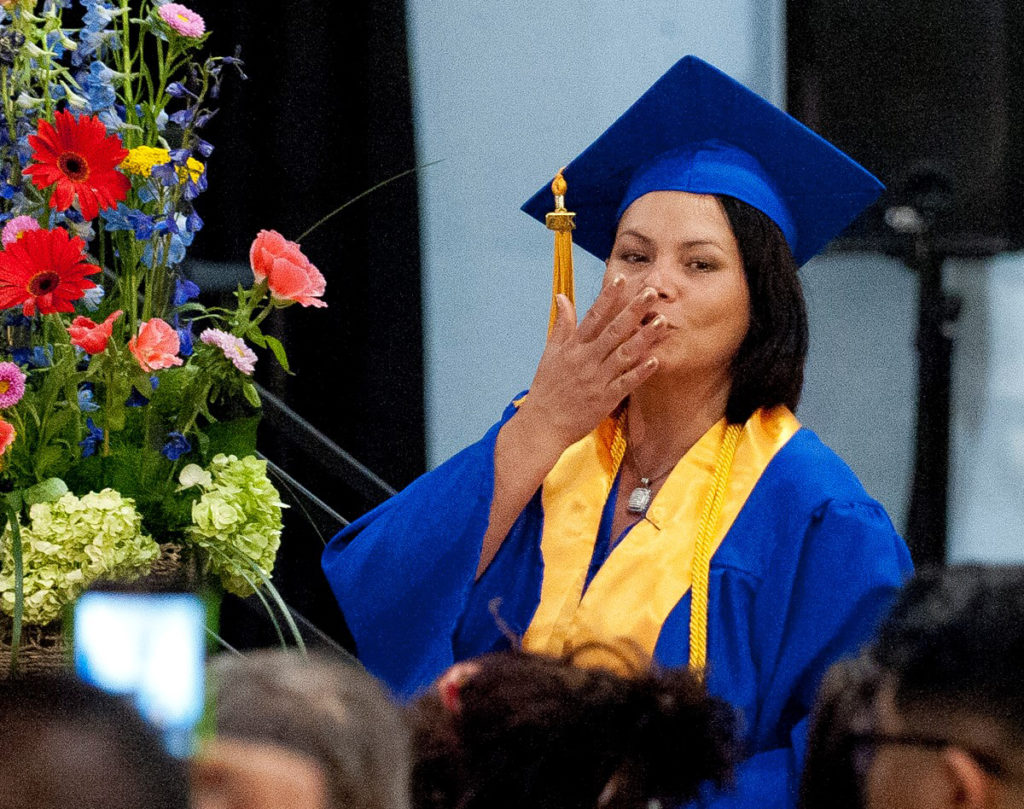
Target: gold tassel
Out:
[562,223]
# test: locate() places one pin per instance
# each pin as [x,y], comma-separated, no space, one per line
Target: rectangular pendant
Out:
[639,500]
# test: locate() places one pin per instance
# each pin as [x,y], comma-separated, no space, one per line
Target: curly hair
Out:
[539,731]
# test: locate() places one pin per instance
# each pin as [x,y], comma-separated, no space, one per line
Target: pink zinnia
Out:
[13,229]
[156,345]
[183,20]
[12,384]
[234,348]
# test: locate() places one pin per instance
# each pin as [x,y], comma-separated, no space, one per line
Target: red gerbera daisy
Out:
[82,159]
[44,270]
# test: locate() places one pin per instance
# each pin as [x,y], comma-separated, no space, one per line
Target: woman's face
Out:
[681,244]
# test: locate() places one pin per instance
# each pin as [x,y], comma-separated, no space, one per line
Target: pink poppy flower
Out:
[92,337]
[156,345]
[289,274]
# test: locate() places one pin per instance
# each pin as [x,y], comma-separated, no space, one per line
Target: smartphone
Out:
[150,647]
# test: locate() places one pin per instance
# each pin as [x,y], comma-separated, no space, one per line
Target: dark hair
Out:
[64,743]
[768,369]
[955,640]
[537,731]
[330,710]
[830,779]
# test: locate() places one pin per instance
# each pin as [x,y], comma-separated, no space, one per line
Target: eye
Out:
[633,257]
[702,265]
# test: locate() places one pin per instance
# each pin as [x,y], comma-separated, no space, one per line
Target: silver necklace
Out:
[640,498]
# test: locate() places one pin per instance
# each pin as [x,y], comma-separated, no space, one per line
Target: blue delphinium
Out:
[136,399]
[35,357]
[93,298]
[185,337]
[92,440]
[98,86]
[87,399]
[124,218]
[176,446]
[184,291]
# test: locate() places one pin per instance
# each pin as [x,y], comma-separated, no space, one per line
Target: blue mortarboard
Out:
[698,130]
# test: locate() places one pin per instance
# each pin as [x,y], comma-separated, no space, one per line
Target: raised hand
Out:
[584,372]
[587,370]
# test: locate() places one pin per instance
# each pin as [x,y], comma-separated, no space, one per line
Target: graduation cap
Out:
[698,130]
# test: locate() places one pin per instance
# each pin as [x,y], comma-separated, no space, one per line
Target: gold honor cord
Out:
[562,223]
[704,548]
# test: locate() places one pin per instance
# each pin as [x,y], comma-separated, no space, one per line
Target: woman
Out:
[654,483]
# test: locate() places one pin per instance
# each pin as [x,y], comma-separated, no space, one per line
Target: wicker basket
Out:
[42,649]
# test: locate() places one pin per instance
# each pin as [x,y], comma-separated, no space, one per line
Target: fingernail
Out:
[650,293]
[618,280]
[658,322]
[652,363]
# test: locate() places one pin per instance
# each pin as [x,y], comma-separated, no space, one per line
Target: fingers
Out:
[626,323]
[565,319]
[632,379]
[636,348]
[608,304]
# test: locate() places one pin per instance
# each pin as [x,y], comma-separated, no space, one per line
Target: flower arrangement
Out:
[117,426]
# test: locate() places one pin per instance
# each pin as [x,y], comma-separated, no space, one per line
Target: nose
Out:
[659,278]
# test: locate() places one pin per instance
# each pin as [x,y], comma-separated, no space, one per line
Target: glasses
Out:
[863,746]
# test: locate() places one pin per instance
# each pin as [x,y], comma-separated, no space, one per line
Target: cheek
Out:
[882,789]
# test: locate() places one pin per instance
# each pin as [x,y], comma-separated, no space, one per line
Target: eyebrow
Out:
[690,243]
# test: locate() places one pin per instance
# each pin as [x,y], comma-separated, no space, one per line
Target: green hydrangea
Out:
[237,520]
[71,543]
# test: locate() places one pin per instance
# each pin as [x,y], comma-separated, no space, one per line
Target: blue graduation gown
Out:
[800,580]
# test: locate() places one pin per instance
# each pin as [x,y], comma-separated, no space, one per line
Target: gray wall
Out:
[506,93]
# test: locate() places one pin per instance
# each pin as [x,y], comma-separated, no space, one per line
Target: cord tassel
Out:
[562,223]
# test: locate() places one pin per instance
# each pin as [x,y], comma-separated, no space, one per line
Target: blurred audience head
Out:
[841,713]
[518,730]
[241,774]
[948,721]
[66,744]
[332,712]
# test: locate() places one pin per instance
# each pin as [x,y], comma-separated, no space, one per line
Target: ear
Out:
[972,787]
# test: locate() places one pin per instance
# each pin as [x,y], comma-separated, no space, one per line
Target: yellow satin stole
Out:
[650,570]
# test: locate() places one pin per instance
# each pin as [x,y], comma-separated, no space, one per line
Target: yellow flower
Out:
[141,159]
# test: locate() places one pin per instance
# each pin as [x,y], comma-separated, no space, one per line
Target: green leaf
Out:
[204,443]
[48,491]
[49,457]
[277,347]
[58,422]
[252,396]
[256,336]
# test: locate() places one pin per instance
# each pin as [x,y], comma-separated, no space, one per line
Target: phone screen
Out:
[150,647]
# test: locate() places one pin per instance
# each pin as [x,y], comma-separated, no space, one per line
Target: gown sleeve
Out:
[403,572]
[820,601]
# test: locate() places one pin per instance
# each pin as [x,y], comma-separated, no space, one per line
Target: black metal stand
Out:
[937,315]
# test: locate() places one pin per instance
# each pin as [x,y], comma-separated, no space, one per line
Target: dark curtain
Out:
[324,115]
